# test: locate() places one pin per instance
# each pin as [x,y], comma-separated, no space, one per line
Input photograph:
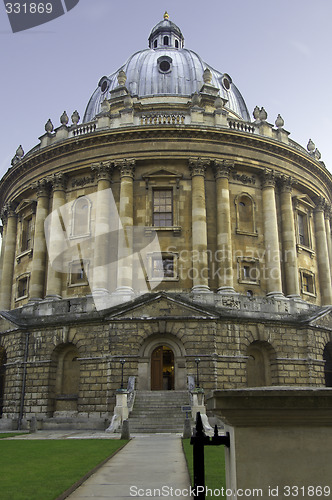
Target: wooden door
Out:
[157,369]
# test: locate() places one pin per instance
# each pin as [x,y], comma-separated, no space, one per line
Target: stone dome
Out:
[167,68]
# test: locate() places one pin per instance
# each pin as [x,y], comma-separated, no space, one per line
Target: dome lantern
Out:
[166,34]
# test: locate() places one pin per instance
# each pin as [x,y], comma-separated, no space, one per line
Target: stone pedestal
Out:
[281,441]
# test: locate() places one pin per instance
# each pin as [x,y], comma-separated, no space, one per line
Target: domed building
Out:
[168,240]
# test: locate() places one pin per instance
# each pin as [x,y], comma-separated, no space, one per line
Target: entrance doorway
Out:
[162,369]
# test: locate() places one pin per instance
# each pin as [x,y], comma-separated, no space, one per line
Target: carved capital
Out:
[268,178]
[222,169]
[42,187]
[102,170]
[58,182]
[198,166]
[286,183]
[126,167]
[8,211]
[320,204]
[328,211]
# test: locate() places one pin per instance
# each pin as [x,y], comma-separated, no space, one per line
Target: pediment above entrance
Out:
[161,306]
[322,318]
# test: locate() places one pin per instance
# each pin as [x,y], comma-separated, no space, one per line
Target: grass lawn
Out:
[214,457]
[43,469]
[4,435]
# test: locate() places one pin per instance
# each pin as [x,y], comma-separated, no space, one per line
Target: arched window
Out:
[155,44]
[81,217]
[176,44]
[260,355]
[3,361]
[245,215]
[166,40]
[327,356]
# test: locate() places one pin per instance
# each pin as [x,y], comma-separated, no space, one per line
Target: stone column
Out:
[272,271]
[324,269]
[38,271]
[125,242]
[9,250]
[102,228]
[289,238]
[199,226]
[3,242]
[224,234]
[54,278]
[328,214]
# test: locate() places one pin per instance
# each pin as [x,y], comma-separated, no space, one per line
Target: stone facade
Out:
[240,277]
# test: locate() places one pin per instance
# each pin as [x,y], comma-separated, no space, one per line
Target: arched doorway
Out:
[162,369]
[3,361]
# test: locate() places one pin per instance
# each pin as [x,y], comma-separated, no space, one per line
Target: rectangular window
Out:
[307,283]
[22,287]
[302,220]
[162,207]
[248,270]
[27,230]
[78,275]
[163,267]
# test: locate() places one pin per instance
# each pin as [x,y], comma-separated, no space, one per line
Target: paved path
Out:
[146,463]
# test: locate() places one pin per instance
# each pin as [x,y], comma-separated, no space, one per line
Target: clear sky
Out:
[278,54]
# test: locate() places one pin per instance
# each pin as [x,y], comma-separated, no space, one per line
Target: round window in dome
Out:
[164,64]
[226,82]
[104,84]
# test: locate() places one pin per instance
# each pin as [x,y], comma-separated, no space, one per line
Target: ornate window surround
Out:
[303,273]
[252,263]
[162,179]
[150,257]
[20,277]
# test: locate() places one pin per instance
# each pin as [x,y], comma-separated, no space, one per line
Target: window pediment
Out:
[160,174]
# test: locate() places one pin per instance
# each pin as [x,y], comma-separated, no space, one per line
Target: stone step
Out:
[158,411]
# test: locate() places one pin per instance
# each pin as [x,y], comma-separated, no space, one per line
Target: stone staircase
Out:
[159,411]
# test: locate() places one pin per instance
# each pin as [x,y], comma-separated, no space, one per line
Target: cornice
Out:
[147,133]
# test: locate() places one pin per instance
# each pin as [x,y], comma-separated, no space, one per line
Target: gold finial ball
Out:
[166,16]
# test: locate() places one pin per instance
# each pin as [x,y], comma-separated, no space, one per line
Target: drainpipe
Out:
[26,353]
